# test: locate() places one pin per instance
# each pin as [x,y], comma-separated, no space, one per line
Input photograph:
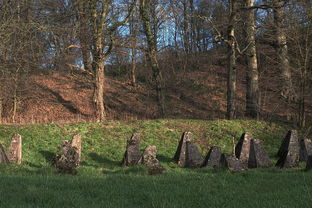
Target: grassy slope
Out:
[101,181]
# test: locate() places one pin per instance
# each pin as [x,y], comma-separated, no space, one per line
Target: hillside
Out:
[197,94]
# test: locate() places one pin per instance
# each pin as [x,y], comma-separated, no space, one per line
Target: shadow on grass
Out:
[164,159]
[32,165]
[134,170]
[102,161]
[48,156]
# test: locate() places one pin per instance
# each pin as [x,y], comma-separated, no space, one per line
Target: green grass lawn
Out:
[101,182]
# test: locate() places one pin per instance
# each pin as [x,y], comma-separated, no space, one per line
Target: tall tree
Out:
[287,89]
[232,73]
[152,53]
[252,92]
[103,26]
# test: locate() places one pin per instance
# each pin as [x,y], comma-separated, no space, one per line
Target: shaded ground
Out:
[200,94]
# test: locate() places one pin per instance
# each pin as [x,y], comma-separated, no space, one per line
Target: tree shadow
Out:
[66,103]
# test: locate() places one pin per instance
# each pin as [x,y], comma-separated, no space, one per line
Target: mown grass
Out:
[101,182]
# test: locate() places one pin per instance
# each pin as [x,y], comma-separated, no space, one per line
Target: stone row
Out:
[249,153]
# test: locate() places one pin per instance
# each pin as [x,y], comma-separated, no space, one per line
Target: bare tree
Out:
[252,92]
[232,47]
[103,24]
[287,89]
[151,38]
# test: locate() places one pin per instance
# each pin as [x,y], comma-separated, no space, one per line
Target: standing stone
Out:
[68,160]
[232,163]
[213,158]
[290,143]
[132,154]
[76,142]
[309,163]
[15,149]
[149,159]
[242,149]
[3,156]
[289,151]
[288,160]
[305,149]
[258,157]
[179,156]
[193,158]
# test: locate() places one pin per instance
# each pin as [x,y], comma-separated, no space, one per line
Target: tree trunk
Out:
[98,64]
[84,33]
[231,81]
[133,32]
[133,65]
[186,38]
[152,56]
[99,92]
[252,95]
[1,110]
[287,90]
[301,113]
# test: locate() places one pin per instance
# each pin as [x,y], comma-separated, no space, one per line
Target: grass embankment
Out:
[101,182]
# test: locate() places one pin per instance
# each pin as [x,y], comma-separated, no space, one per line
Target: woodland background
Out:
[96,60]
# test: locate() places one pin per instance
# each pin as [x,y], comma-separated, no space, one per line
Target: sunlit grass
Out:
[102,182]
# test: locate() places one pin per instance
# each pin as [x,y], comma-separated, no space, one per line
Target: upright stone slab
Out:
[68,160]
[76,142]
[289,151]
[242,149]
[149,159]
[179,156]
[288,160]
[232,163]
[193,158]
[213,158]
[3,156]
[258,157]
[15,149]
[309,163]
[305,149]
[289,143]
[132,154]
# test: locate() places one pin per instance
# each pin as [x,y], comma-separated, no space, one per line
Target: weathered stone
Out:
[289,151]
[309,163]
[258,157]
[242,149]
[15,149]
[213,158]
[149,159]
[232,163]
[305,149]
[3,156]
[288,160]
[193,158]
[76,142]
[69,159]
[132,154]
[290,143]
[179,156]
